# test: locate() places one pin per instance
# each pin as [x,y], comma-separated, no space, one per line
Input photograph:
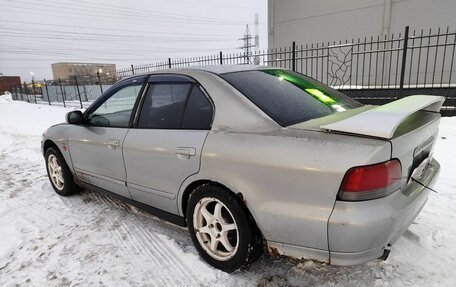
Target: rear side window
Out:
[164,105]
[175,105]
[288,97]
[198,114]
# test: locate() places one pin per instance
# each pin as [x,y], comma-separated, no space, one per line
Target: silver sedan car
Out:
[254,159]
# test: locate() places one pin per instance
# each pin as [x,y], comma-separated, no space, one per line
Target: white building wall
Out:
[312,21]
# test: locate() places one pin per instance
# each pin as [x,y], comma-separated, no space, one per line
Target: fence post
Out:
[221,57]
[47,91]
[77,87]
[63,96]
[132,69]
[33,89]
[293,57]
[404,60]
[20,92]
[169,63]
[99,82]
[26,91]
[85,92]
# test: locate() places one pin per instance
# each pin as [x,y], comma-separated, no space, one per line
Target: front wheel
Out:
[221,228]
[59,173]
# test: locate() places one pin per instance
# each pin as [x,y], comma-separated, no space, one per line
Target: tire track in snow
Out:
[125,239]
[121,240]
[155,244]
[161,245]
[29,225]
[145,254]
[146,237]
[143,241]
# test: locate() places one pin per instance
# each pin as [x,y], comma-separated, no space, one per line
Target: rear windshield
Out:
[288,97]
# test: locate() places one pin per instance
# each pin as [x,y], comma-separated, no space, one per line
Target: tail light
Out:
[371,181]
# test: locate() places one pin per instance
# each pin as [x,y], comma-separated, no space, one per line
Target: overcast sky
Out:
[34,34]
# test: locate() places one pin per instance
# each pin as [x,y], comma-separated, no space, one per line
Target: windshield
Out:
[288,97]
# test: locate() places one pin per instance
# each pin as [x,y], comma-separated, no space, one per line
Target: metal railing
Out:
[373,70]
[416,58]
[77,91]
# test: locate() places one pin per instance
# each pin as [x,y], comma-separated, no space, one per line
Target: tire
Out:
[215,215]
[59,173]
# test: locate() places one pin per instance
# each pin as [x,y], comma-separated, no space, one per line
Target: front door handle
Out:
[112,143]
[185,152]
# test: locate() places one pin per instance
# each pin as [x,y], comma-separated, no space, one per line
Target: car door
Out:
[96,146]
[164,146]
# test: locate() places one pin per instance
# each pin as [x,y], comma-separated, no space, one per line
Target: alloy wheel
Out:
[216,229]
[55,172]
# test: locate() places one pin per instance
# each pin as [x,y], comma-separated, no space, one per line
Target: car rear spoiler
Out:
[382,121]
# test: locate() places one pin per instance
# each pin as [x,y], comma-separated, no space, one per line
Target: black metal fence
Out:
[374,70]
[77,91]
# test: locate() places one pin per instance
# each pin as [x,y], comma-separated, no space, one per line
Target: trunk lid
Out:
[383,121]
[413,143]
[409,124]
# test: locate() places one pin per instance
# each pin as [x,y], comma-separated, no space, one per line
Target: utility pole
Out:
[247,45]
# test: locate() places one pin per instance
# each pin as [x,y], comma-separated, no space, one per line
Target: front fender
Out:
[58,136]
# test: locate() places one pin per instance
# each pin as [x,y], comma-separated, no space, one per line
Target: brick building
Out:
[9,82]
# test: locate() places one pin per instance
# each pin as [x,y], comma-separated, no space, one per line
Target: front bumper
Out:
[358,232]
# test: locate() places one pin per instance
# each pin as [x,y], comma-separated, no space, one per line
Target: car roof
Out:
[222,69]
[214,69]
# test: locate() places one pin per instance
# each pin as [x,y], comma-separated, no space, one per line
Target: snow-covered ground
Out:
[93,240]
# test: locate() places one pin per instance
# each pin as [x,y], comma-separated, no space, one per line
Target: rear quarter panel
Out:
[289,179]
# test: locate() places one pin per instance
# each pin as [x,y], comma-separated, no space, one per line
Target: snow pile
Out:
[6,97]
[91,239]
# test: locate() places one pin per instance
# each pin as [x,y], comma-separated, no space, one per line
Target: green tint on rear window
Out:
[288,97]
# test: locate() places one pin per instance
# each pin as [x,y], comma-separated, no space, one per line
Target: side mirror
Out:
[74,117]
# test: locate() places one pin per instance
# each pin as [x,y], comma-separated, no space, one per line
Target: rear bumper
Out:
[358,232]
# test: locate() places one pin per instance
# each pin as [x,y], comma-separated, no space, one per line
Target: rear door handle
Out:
[185,152]
[112,143]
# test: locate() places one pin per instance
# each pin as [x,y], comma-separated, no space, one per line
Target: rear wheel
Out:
[221,228]
[59,173]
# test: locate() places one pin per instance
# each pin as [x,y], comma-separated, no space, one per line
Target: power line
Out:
[66,15]
[103,29]
[91,13]
[102,37]
[43,42]
[148,12]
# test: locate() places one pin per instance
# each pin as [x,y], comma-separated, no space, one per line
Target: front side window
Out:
[116,110]
[288,97]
